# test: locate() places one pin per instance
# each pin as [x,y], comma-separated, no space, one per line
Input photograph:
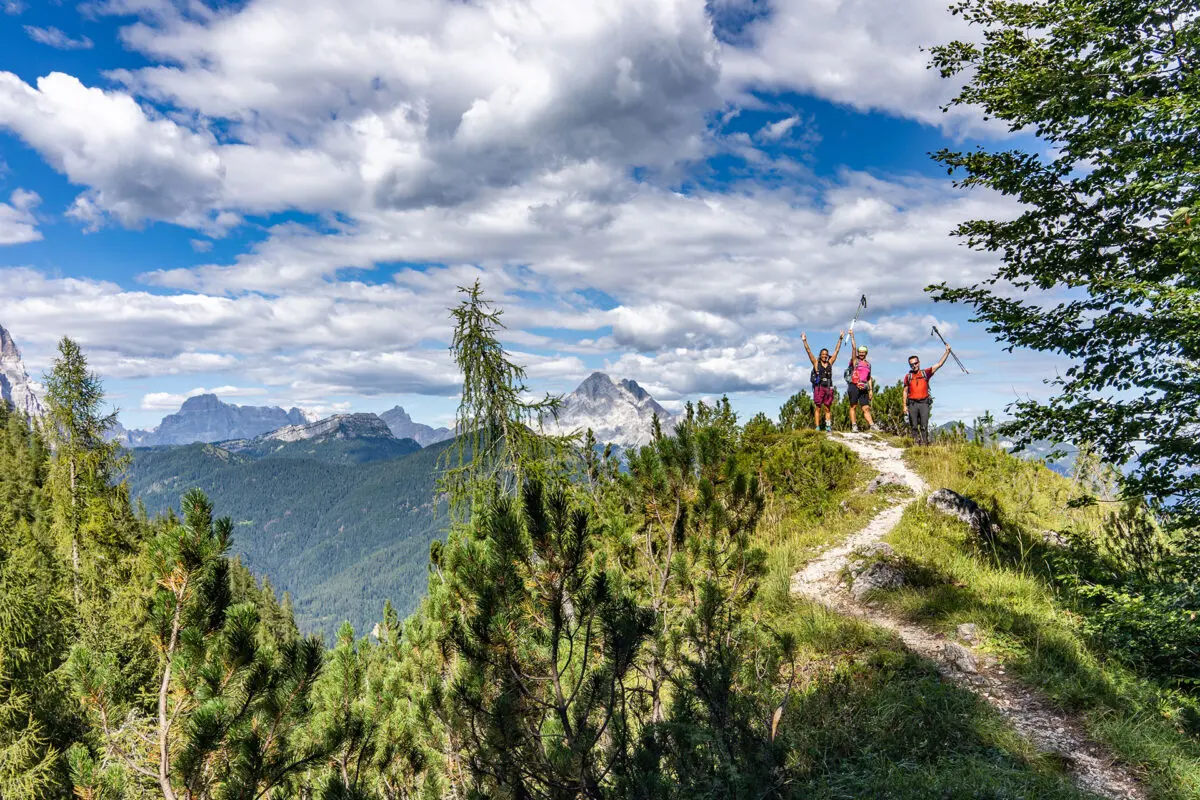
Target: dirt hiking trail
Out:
[1049,729]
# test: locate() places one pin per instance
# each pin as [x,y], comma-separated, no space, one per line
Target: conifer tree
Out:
[228,708]
[84,460]
[498,437]
[547,638]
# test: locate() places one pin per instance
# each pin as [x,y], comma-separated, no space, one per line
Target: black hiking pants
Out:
[918,419]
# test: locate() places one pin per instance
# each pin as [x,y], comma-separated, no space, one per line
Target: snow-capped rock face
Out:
[16,388]
[339,426]
[618,413]
[403,427]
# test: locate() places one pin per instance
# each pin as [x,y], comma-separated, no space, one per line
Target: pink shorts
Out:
[823,395]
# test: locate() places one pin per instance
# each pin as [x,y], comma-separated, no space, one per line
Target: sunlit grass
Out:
[1002,587]
[871,719]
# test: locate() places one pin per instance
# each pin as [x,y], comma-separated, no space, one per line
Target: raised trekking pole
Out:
[862,303]
[957,360]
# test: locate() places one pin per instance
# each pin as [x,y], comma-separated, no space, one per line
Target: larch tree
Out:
[85,461]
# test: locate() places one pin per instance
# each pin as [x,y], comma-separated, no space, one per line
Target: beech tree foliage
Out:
[1102,265]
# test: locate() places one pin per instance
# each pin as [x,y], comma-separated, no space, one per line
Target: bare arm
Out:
[905,397]
[938,365]
[837,349]
[807,349]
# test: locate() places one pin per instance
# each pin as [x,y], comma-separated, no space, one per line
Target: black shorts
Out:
[857,396]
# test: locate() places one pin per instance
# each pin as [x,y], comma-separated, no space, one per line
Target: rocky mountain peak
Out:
[632,387]
[339,426]
[8,348]
[618,412]
[201,402]
[403,427]
[206,418]
[16,389]
[595,386]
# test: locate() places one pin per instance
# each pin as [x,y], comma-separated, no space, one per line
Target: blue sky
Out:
[276,199]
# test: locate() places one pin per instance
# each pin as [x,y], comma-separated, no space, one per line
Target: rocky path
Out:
[1048,728]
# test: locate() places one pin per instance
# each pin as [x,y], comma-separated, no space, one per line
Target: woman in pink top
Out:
[860,392]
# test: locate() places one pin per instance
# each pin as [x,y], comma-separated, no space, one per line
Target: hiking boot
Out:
[854,429]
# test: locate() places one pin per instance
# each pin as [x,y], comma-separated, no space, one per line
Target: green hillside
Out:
[334,451]
[340,537]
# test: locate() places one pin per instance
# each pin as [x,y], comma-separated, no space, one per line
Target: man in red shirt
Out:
[916,396]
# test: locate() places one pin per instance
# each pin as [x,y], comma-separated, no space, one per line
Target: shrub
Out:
[1139,590]
[807,466]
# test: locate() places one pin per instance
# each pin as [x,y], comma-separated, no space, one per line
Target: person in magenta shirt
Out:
[822,380]
[859,391]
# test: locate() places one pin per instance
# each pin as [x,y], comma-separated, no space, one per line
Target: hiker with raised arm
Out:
[858,379]
[917,401]
[822,381]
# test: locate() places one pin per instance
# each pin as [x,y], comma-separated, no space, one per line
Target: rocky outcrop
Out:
[16,389]
[965,509]
[403,427]
[884,480]
[339,426]
[959,658]
[619,413]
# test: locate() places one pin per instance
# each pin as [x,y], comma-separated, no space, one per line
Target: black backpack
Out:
[815,376]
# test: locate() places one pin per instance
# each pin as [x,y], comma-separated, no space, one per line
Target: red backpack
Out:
[918,385]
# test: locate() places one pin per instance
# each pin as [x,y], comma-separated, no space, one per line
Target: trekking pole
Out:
[862,303]
[957,360]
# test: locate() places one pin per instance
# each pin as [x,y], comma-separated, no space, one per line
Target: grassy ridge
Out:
[869,719]
[1007,588]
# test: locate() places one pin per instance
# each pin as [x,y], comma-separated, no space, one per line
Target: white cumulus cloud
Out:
[17,221]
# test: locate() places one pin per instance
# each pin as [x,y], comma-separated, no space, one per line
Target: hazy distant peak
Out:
[403,427]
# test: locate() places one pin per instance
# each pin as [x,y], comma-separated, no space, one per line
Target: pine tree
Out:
[229,709]
[546,640]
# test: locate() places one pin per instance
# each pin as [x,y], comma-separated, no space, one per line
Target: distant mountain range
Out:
[204,418]
[340,439]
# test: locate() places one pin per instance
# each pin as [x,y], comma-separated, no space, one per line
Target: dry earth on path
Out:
[1049,729]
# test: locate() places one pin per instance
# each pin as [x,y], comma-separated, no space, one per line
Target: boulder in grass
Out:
[967,632]
[959,658]
[965,509]
[884,480]
[879,575]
